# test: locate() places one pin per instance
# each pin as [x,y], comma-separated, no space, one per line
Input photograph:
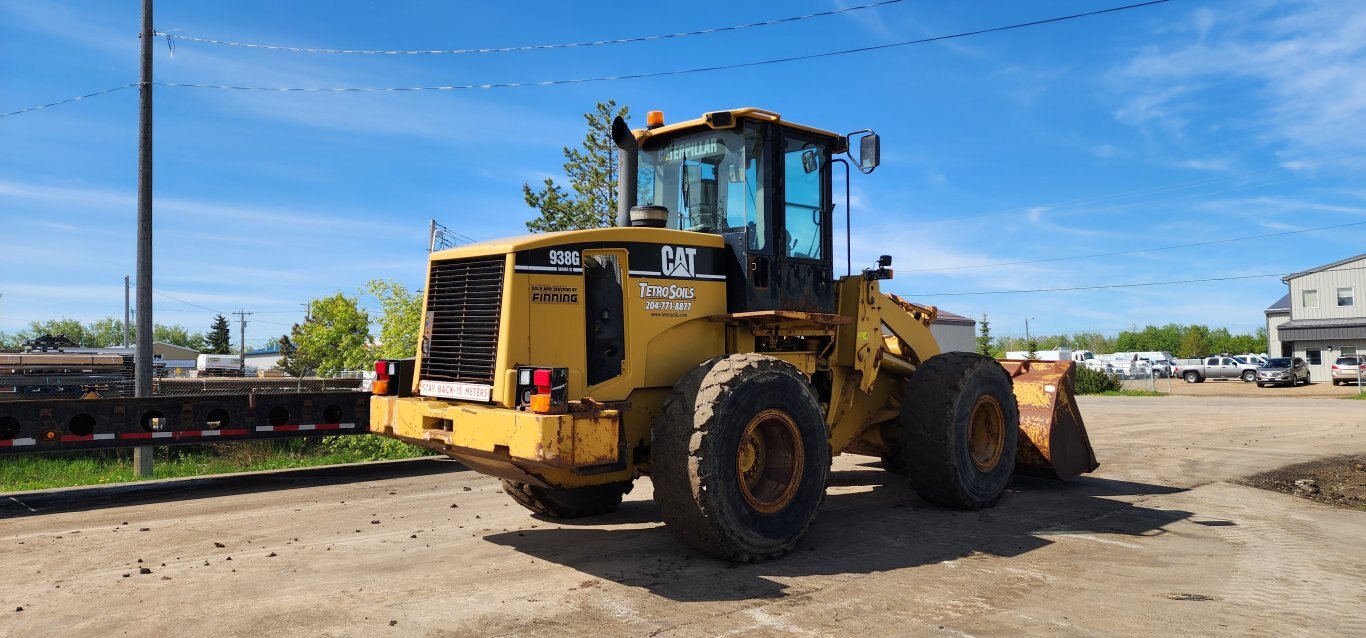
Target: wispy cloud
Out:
[1303,59]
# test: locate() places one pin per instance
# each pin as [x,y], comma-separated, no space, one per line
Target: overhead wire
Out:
[673,72]
[1138,250]
[1109,286]
[69,100]
[533,47]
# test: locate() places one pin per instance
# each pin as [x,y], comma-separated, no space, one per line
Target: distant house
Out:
[1322,317]
[264,358]
[955,333]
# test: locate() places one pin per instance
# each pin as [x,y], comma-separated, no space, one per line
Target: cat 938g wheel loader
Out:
[706,342]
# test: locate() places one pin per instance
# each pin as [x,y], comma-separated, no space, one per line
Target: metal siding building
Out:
[955,333]
[1323,317]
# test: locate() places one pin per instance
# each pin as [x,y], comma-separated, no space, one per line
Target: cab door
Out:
[802,244]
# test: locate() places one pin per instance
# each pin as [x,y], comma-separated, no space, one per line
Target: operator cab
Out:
[761,183]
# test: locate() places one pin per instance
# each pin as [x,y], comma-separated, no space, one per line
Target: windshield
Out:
[1277,363]
[710,181]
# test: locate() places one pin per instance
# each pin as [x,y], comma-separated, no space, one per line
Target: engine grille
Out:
[464,298]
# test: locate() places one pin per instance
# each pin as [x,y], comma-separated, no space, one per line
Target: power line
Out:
[1108,286]
[1140,250]
[171,37]
[654,74]
[69,100]
[158,292]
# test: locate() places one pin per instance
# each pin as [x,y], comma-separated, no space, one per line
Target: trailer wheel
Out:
[567,502]
[959,430]
[740,458]
[1192,377]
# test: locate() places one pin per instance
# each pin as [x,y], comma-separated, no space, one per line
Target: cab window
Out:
[803,198]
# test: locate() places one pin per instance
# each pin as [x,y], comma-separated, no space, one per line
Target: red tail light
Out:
[381,384]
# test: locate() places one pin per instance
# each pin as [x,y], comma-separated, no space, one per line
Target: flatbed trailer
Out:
[47,425]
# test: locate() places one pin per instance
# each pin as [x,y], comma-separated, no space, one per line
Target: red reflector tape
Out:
[305,427]
[71,438]
[18,442]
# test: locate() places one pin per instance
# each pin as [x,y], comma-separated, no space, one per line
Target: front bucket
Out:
[1053,441]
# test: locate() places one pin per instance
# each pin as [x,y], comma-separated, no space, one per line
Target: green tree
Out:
[984,336]
[219,338]
[106,332]
[400,322]
[336,335]
[1195,343]
[294,362]
[177,335]
[592,174]
[70,328]
[1032,345]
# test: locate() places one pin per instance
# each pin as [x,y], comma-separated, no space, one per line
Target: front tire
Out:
[567,502]
[740,458]
[959,429]
[1261,385]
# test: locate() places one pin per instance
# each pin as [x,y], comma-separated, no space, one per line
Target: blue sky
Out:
[1186,122]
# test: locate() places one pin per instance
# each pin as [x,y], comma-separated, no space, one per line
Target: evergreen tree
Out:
[592,173]
[219,338]
[984,336]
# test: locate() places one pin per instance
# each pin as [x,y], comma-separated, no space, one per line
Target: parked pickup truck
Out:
[1220,367]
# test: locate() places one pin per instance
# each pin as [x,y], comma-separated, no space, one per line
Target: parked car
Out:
[1283,371]
[1218,367]
[1347,370]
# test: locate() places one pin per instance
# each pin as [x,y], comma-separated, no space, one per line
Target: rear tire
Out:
[567,502]
[740,458]
[1249,376]
[1192,377]
[959,430]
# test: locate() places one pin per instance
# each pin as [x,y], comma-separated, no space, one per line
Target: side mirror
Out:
[622,135]
[810,162]
[869,152]
[884,261]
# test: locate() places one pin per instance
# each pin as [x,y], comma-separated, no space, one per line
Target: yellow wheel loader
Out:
[706,342]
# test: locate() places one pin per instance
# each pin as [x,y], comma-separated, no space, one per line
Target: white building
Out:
[1322,317]
[955,333]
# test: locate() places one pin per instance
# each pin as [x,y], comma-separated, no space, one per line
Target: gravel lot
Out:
[1211,388]
[1159,542]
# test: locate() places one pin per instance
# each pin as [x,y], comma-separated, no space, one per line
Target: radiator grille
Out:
[464,298]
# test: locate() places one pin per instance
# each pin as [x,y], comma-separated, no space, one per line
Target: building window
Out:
[1346,297]
[1315,357]
[1349,351]
[1310,299]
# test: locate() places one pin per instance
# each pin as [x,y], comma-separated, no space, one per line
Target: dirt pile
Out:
[1338,481]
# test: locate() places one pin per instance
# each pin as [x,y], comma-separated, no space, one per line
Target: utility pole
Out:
[126,319]
[431,237]
[242,339]
[142,357]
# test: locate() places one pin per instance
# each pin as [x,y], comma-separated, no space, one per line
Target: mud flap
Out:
[1053,440]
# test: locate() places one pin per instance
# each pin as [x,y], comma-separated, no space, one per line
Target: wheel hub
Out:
[987,433]
[769,461]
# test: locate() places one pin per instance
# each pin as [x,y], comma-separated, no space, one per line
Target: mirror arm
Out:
[849,151]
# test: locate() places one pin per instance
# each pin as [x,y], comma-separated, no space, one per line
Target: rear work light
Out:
[543,390]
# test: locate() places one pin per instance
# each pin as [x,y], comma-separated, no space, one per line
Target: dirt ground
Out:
[1237,388]
[1160,541]
[1339,480]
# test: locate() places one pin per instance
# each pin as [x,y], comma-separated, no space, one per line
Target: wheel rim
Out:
[986,433]
[769,461]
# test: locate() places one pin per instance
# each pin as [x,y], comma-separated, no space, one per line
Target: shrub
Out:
[1096,382]
[371,447]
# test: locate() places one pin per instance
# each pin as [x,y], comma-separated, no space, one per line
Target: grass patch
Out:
[1131,393]
[103,467]
[1357,397]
